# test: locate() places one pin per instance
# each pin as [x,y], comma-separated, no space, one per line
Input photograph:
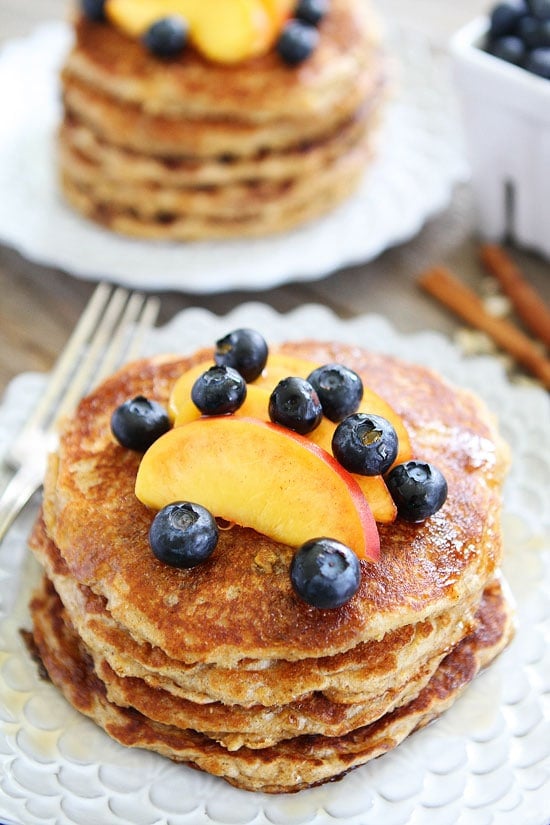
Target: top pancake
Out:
[260,89]
[240,603]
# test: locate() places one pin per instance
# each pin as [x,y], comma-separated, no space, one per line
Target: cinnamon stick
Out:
[452,293]
[527,302]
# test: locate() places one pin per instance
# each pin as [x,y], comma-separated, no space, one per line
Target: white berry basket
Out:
[506,117]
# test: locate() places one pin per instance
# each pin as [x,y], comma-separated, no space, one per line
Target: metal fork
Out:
[109,332]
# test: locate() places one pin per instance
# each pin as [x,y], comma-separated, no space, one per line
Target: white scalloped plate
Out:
[420,161]
[485,762]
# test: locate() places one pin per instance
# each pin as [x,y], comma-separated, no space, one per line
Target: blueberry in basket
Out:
[519,33]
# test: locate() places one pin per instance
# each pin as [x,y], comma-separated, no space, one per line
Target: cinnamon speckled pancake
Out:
[204,614]
[86,154]
[204,138]
[296,763]
[223,666]
[189,149]
[247,209]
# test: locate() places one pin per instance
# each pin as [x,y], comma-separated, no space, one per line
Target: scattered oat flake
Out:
[498,306]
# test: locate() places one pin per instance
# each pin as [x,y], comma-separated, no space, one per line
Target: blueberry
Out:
[325,573]
[94,9]
[544,34]
[243,349]
[365,444]
[540,9]
[418,489]
[538,62]
[311,11]
[138,422]
[533,32]
[505,17]
[340,390]
[297,41]
[509,48]
[218,391]
[166,37]
[295,404]
[183,534]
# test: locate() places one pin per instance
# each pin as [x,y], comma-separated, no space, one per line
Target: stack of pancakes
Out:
[223,666]
[190,149]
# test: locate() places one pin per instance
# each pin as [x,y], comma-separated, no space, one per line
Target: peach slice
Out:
[262,476]
[229,31]
[180,404]
[182,411]
[373,487]
[256,406]
[280,365]
[277,368]
[279,11]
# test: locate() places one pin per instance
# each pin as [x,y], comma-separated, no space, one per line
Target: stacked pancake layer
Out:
[223,666]
[190,149]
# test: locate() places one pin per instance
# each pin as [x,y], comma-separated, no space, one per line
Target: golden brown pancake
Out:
[251,209]
[223,665]
[206,138]
[92,515]
[156,149]
[81,147]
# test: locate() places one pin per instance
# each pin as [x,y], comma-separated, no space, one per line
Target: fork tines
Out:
[109,332]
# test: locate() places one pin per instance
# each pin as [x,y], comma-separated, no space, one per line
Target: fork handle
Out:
[17,493]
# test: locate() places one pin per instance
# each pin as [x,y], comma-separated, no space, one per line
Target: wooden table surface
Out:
[39,306]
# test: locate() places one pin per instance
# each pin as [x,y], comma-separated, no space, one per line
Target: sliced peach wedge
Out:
[228,31]
[279,366]
[180,407]
[256,406]
[221,462]
[279,11]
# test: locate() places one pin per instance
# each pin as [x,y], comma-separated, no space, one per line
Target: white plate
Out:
[485,762]
[419,163]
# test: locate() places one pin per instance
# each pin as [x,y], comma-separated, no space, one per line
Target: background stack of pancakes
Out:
[222,666]
[190,149]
